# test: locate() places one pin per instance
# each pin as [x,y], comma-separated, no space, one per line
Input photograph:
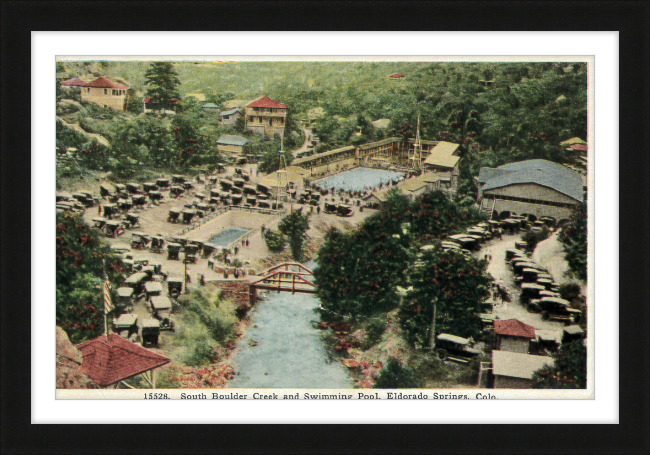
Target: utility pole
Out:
[432,335]
[187,291]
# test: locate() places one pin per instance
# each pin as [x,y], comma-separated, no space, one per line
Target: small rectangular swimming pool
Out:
[227,236]
[359,179]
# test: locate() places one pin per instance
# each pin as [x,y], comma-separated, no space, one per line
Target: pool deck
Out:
[358,179]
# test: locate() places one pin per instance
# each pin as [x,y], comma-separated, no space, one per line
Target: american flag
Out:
[108,305]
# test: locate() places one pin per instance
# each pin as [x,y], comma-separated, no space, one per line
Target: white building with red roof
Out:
[513,335]
[104,92]
[266,116]
[396,77]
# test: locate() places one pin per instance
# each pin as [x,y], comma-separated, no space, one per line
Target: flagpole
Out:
[105,314]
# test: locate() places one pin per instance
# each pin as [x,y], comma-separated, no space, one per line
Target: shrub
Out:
[208,323]
[274,240]
[533,238]
[374,330]
[395,376]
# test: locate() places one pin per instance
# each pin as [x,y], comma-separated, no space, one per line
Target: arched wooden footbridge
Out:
[287,277]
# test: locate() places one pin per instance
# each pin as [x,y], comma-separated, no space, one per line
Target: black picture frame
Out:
[630,18]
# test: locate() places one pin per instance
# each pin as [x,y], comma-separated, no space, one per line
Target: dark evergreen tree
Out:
[162,85]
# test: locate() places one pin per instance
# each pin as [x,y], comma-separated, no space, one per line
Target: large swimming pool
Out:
[227,236]
[359,179]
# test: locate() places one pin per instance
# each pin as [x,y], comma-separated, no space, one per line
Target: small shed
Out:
[513,335]
[231,143]
[210,108]
[513,370]
[230,116]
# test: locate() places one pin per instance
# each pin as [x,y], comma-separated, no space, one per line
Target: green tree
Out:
[358,272]
[455,284]
[569,370]
[574,240]
[270,151]
[295,226]
[162,84]
[80,256]
[274,240]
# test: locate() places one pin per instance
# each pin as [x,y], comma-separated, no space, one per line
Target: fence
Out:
[224,209]
[244,237]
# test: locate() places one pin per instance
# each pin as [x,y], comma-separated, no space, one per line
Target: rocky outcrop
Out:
[68,364]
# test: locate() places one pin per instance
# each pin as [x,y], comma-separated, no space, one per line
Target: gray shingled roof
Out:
[541,172]
[232,140]
[231,111]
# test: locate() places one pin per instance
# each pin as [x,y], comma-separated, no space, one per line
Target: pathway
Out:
[499,269]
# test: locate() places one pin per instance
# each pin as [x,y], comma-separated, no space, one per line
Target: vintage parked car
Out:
[133,220]
[188,215]
[344,210]
[150,332]
[161,308]
[113,228]
[329,207]
[557,309]
[152,289]
[126,325]
[110,210]
[162,182]
[149,186]
[191,253]
[174,214]
[174,286]
[139,240]
[134,188]
[530,291]
[124,298]
[172,250]
[136,281]
[176,190]
[455,348]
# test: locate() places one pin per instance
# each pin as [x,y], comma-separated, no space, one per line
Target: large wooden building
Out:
[534,188]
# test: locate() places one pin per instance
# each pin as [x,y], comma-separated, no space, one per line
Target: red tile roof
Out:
[513,328]
[107,363]
[267,102]
[146,99]
[579,147]
[74,82]
[396,75]
[103,82]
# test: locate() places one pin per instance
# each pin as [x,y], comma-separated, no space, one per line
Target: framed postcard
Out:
[331,228]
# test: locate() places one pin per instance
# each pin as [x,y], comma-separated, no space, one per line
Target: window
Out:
[105,91]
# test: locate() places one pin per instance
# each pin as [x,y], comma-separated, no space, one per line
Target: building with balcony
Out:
[105,93]
[443,159]
[266,116]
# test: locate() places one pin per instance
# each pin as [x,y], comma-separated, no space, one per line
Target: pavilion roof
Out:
[106,363]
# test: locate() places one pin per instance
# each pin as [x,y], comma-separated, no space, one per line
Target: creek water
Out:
[282,349]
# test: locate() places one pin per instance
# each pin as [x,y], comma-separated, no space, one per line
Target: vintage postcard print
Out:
[398,228]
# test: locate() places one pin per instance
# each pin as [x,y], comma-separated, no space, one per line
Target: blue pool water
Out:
[358,179]
[225,237]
